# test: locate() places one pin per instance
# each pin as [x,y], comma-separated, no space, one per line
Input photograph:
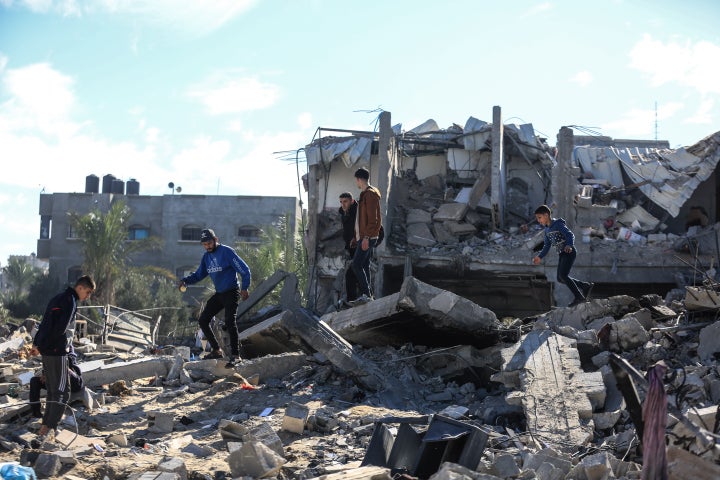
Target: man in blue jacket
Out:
[54,342]
[223,265]
[557,234]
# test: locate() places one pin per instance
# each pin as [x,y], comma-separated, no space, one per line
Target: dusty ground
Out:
[342,443]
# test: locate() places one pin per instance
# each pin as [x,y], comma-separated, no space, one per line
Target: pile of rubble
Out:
[419,384]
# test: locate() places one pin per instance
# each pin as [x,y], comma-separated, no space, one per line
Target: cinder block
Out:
[295,418]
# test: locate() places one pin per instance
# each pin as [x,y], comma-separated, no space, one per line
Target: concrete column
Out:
[497,184]
[564,178]
[310,236]
[383,178]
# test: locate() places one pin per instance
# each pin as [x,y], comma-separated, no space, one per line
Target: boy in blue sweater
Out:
[223,265]
[557,234]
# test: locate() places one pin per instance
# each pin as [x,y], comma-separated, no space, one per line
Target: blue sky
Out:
[202,93]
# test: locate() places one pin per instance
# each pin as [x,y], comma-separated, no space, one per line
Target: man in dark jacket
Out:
[348,211]
[37,383]
[54,342]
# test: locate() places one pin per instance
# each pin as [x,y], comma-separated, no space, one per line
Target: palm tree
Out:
[106,247]
[20,274]
[279,249]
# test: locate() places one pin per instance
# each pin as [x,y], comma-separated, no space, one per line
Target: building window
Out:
[191,233]
[249,234]
[71,231]
[138,232]
[74,273]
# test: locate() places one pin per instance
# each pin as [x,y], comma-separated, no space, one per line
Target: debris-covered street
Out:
[560,395]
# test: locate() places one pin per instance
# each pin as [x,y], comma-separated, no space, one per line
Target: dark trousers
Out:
[361,267]
[565,263]
[229,302]
[36,384]
[351,284]
[57,382]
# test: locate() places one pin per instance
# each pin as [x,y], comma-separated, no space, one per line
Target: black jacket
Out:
[348,224]
[54,335]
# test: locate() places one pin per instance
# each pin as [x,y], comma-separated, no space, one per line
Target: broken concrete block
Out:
[415,215]
[533,461]
[505,466]
[709,342]
[66,457]
[265,434]
[174,465]
[443,235]
[627,334]
[419,234]
[450,211]
[160,422]
[154,476]
[231,431]
[119,439]
[296,416]
[460,229]
[703,417]
[684,465]
[605,420]
[47,465]
[255,460]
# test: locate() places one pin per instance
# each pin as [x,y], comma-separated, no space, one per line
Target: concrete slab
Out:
[420,314]
[554,391]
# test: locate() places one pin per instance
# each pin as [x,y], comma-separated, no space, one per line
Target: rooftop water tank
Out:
[108,183]
[132,187]
[118,186]
[92,184]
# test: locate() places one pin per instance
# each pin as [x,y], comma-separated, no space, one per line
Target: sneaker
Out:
[215,354]
[232,361]
[588,290]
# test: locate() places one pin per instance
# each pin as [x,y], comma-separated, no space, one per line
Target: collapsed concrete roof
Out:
[667,177]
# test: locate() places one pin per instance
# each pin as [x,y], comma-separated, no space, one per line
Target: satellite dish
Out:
[171,185]
[178,189]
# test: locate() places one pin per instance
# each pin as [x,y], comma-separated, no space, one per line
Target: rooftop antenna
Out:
[656,125]
[173,188]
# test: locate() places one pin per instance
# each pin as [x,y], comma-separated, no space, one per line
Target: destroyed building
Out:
[458,205]
[423,382]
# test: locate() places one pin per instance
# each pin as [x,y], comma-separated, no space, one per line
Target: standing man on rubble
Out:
[223,265]
[557,234]
[348,214]
[54,342]
[367,232]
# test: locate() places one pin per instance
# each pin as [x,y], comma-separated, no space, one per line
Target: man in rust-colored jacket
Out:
[367,230]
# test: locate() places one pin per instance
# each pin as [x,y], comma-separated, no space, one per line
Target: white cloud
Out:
[198,16]
[224,93]
[695,65]
[3,62]
[704,114]
[640,122]
[41,90]
[538,9]
[582,78]
[305,120]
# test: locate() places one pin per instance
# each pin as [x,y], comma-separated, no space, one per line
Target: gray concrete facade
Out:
[172,219]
